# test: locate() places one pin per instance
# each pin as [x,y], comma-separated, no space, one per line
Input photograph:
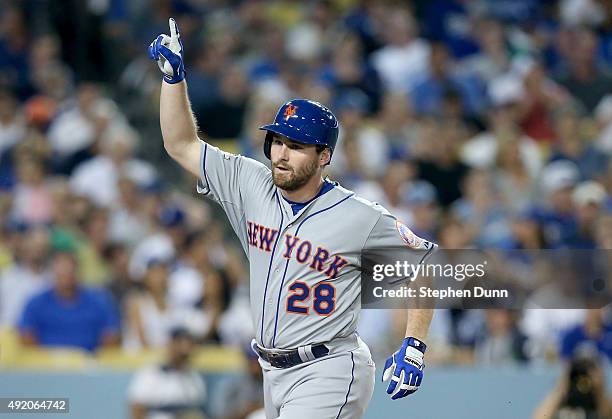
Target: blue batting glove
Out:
[168,52]
[406,368]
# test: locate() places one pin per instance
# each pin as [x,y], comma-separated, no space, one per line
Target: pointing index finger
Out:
[173,29]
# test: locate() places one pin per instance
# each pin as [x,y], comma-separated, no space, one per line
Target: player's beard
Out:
[294,179]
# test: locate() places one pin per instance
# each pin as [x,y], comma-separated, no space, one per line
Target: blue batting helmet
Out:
[303,121]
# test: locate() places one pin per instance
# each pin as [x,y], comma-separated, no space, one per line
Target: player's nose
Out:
[284,152]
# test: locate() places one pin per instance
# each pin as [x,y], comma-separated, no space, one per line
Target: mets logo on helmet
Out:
[290,111]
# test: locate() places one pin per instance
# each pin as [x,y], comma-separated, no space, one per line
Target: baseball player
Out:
[303,235]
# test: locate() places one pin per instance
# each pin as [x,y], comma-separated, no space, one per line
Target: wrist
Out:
[416,343]
[172,80]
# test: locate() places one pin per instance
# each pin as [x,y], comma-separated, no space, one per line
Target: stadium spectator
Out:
[580,391]
[242,394]
[50,77]
[541,97]
[362,152]
[404,55]
[32,200]
[7,247]
[584,78]
[556,214]
[263,103]
[14,50]
[171,390]
[501,341]
[440,79]
[525,167]
[398,124]
[603,230]
[128,222]
[573,145]
[120,284]
[117,147]
[27,277]
[223,118]
[69,314]
[214,291]
[504,148]
[591,338]
[348,70]
[526,233]
[452,23]
[438,161]
[514,180]
[393,184]
[80,120]
[12,130]
[481,210]
[422,201]
[556,305]
[90,245]
[588,198]
[151,316]
[493,58]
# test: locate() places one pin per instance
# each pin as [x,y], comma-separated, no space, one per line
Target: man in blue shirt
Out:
[593,337]
[69,314]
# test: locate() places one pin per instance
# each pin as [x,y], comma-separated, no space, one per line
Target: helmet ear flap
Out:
[268,145]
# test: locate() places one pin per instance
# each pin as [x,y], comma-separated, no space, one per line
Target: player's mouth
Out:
[282,169]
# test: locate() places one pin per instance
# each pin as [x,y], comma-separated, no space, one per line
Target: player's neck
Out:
[306,192]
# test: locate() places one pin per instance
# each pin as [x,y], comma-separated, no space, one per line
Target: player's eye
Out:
[277,142]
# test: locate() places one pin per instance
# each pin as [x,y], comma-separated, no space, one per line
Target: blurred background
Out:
[480,124]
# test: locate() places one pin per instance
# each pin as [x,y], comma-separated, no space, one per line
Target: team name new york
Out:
[318,259]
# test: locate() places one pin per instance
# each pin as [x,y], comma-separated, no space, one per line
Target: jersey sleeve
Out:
[391,233]
[231,180]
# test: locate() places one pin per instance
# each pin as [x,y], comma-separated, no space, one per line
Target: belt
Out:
[286,358]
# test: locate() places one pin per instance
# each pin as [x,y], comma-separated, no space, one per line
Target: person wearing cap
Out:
[173,389]
[422,199]
[556,214]
[588,198]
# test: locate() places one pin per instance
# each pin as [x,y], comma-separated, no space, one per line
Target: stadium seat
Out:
[119,359]
[65,359]
[8,346]
[208,358]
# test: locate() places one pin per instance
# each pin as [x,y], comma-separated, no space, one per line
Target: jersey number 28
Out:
[324,301]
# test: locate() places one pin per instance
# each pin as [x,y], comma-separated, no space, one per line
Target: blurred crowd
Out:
[484,124]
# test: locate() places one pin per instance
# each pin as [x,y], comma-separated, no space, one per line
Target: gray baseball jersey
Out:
[304,268]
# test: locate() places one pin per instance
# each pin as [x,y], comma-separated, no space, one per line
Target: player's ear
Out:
[324,156]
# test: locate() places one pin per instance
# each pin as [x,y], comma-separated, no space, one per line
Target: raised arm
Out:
[178,125]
